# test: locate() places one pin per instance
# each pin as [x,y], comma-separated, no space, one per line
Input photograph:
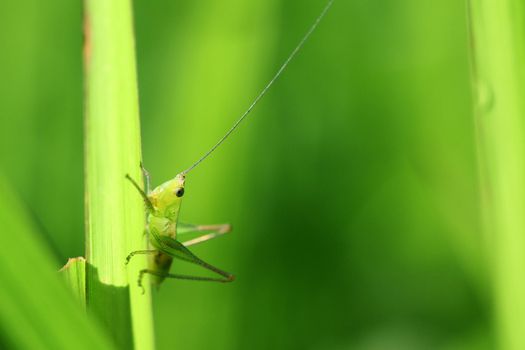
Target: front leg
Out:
[147,201]
[146,177]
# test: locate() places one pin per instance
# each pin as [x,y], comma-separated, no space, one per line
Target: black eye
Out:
[180,192]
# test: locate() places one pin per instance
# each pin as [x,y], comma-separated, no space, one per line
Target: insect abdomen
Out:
[161,263]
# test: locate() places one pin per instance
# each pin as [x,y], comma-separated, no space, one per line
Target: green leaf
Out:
[115,213]
[74,273]
[36,310]
[498,41]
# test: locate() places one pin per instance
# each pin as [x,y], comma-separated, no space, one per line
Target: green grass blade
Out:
[498,35]
[115,212]
[36,310]
[74,273]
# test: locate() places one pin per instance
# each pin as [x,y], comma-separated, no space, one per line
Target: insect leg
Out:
[181,277]
[132,254]
[176,249]
[146,176]
[210,232]
[142,193]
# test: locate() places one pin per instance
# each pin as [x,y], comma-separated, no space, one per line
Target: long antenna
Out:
[263,92]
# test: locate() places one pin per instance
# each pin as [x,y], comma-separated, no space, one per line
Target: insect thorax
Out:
[162,226]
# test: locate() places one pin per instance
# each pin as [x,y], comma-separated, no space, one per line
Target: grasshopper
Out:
[163,206]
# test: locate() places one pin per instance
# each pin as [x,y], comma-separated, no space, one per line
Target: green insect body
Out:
[162,226]
[162,220]
[163,206]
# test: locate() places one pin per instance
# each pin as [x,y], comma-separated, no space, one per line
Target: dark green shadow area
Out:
[109,305]
[5,341]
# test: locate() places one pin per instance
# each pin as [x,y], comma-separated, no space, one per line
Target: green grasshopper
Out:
[163,205]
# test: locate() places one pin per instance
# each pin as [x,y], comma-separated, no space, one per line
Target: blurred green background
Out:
[352,189]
